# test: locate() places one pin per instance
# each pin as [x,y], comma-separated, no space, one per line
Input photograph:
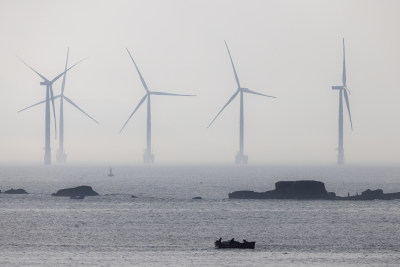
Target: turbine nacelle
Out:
[337,87]
[47,83]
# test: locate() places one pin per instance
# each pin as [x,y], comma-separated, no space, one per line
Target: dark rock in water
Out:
[372,194]
[301,189]
[331,195]
[133,196]
[197,198]
[309,190]
[83,190]
[15,191]
[289,190]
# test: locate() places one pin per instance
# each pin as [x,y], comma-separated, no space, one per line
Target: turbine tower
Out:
[61,157]
[49,93]
[148,156]
[342,91]
[240,158]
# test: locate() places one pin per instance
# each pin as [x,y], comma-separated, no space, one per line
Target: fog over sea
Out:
[163,226]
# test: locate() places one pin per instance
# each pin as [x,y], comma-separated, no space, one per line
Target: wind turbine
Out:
[342,91]
[49,93]
[148,157]
[61,156]
[240,158]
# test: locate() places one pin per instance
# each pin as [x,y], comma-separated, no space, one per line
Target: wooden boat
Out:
[234,244]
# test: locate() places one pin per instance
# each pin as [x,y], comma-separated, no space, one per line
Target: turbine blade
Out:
[77,107]
[41,102]
[348,106]
[162,93]
[65,74]
[61,74]
[229,101]
[54,110]
[233,66]
[255,93]
[140,75]
[41,76]
[137,107]
[344,66]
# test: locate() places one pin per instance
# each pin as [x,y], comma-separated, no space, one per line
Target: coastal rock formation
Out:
[15,191]
[83,190]
[288,190]
[301,189]
[309,189]
[372,195]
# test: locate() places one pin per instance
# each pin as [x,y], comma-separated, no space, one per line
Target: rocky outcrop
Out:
[372,195]
[83,190]
[288,190]
[15,191]
[309,189]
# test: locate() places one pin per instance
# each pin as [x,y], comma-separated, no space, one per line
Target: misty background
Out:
[288,49]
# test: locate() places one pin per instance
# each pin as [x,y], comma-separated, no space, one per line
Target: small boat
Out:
[234,244]
[77,197]
[110,173]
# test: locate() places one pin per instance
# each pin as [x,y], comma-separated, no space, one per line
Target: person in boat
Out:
[232,241]
[219,240]
[244,241]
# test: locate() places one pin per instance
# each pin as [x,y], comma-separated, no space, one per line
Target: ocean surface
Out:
[163,226]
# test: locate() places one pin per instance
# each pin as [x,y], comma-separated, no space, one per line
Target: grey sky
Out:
[289,49]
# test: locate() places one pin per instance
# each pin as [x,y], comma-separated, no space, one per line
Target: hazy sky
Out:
[289,49]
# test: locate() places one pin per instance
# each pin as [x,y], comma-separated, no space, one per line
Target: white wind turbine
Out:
[49,95]
[61,156]
[240,158]
[342,91]
[148,156]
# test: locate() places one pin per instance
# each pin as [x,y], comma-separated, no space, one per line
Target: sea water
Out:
[163,226]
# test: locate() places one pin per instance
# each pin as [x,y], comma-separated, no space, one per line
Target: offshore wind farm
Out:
[120,172]
[299,68]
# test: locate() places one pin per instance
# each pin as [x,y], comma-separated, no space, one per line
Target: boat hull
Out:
[235,244]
